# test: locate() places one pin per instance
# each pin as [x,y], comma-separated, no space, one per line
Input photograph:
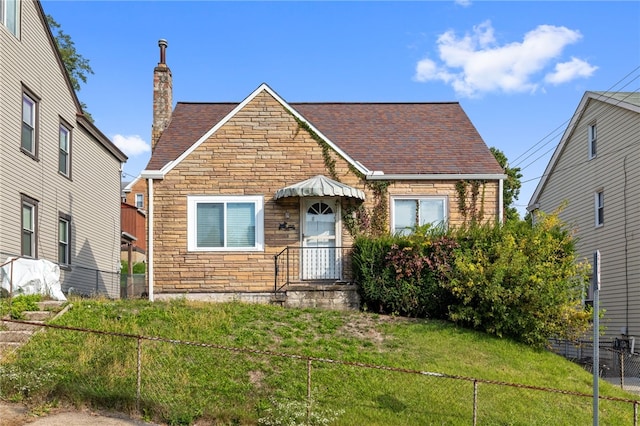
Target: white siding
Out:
[91,197]
[615,170]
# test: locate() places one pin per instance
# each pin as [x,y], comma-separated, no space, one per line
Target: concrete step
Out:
[9,346]
[15,336]
[50,305]
[16,326]
[37,315]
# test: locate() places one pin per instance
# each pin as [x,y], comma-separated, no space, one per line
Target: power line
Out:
[552,135]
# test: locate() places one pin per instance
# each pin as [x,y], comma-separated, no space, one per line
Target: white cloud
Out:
[131,145]
[475,64]
[463,3]
[571,70]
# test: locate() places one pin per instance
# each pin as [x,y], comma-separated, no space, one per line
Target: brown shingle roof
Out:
[404,138]
[189,121]
[395,138]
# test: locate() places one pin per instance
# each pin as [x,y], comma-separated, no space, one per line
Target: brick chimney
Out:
[162,96]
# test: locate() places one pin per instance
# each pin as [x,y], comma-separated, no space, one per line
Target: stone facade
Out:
[261,149]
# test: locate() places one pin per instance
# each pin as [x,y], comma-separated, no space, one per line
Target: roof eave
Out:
[438,176]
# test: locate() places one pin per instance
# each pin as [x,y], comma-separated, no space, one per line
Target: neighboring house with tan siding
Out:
[595,174]
[240,191]
[135,193]
[59,175]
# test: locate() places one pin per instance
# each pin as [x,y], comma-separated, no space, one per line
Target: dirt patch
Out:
[12,414]
[367,327]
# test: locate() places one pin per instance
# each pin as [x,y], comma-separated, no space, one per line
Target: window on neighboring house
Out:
[599,208]
[593,136]
[64,154]
[140,201]
[29,136]
[411,212]
[10,15]
[64,233]
[29,227]
[217,223]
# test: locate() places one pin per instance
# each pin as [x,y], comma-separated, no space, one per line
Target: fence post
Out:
[475,402]
[622,370]
[635,413]
[308,391]
[139,375]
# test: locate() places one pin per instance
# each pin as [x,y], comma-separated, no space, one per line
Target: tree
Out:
[76,65]
[511,187]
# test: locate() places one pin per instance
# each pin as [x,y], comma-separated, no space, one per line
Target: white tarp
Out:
[32,276]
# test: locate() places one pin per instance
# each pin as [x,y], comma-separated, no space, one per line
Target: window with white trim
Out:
[29,236]
[140,201]
[409,212]
[219,223]
[64,153]
[64,232]
[599,208]
[593,137]
[10,15]
[29,136]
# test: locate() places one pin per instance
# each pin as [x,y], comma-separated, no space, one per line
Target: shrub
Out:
[138,267]
[519,281]
[400,275]
[17,305]
[515,280]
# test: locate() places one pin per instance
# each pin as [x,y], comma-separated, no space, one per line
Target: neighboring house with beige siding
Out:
[240,191]
[595,174]
[59,175]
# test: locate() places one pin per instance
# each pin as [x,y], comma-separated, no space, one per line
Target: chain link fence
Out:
[619,363]
[133,286]
[179,382]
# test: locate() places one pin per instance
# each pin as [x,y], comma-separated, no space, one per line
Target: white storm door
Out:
[320,260]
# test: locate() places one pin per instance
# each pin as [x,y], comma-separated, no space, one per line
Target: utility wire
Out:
[552,135]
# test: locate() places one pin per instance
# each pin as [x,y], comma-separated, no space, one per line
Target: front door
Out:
[320,259]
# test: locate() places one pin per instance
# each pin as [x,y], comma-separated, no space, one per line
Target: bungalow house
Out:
[594,175]
[261,197]
[59,175]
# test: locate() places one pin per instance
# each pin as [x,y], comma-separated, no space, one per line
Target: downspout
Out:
[150,239]
[500,201]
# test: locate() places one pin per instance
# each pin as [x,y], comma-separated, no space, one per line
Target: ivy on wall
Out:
[471,197]
[357,219]
[329,161]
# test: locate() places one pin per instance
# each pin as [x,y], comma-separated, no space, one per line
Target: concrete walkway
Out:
[631,384]
[18,415]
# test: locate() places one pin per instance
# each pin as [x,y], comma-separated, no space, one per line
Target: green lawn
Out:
[207,382]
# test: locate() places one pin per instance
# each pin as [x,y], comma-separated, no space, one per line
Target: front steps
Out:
[15,334]
[335,296]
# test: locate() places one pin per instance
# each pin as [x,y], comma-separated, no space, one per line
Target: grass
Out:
[200,382]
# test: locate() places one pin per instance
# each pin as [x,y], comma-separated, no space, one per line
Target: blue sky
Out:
[518,69]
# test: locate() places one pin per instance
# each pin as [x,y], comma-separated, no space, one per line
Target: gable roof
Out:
[379,139]
[626,100]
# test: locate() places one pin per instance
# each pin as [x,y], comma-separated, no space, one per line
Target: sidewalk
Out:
[17,415]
